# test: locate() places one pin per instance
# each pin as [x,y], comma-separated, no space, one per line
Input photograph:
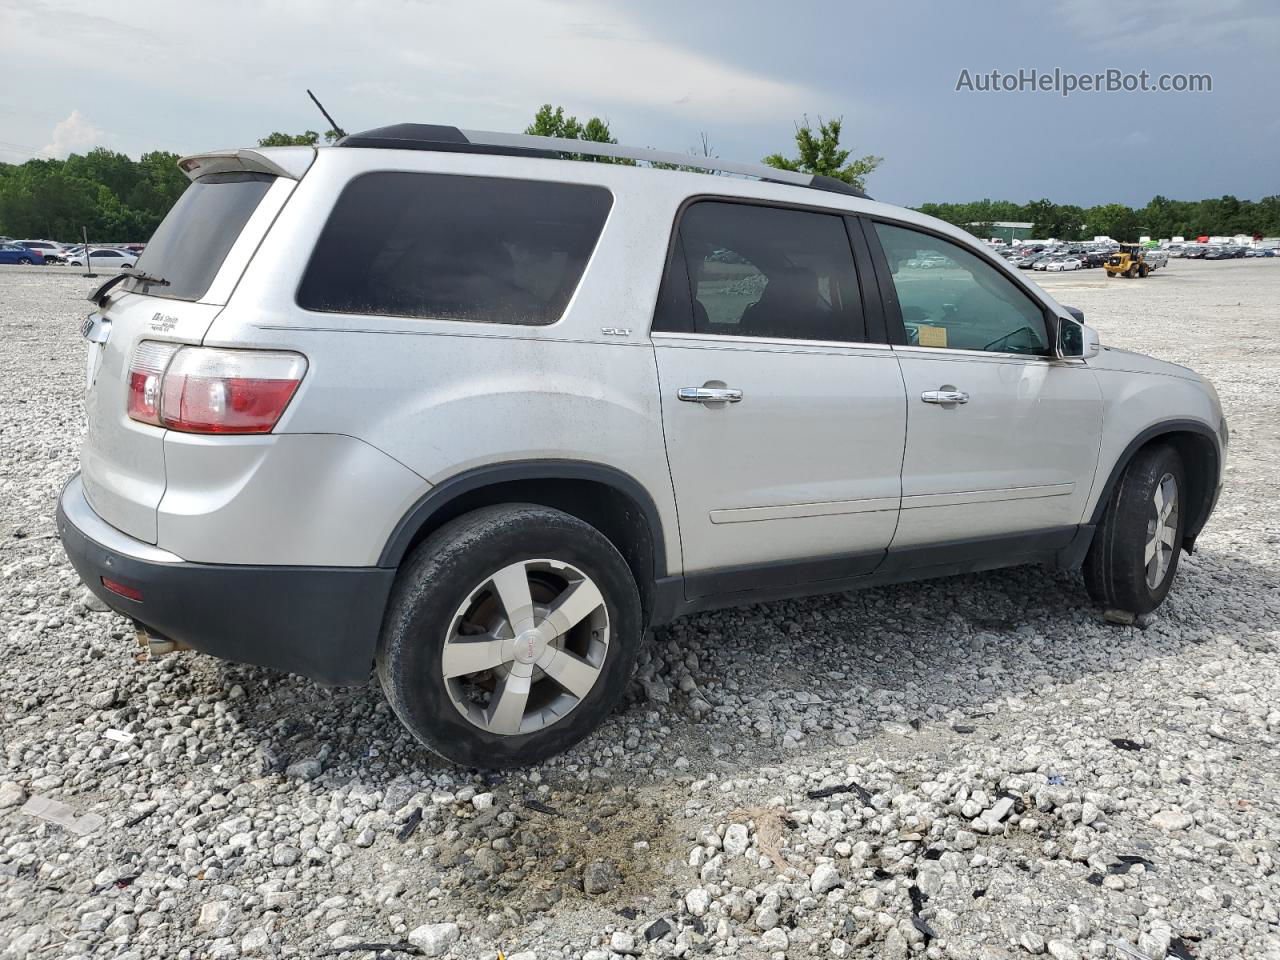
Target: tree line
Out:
[1161,217]
[113,196]
[118,198]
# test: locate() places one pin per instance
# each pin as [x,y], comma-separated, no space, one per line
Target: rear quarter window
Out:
[194,239]
[448,247]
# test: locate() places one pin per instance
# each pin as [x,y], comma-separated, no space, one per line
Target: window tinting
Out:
[952,298]
[454,248]
[759,271]
[196,236]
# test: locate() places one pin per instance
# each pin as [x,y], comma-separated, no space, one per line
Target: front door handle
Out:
[944,396]
[709,394]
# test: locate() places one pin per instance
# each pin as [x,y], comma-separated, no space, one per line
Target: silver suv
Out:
[477,412]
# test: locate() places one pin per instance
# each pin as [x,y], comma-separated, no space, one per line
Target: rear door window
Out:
[758,271]
[447,247]
[196,236]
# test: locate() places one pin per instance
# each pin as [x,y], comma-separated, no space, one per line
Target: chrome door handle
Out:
[710,394]
[944,396]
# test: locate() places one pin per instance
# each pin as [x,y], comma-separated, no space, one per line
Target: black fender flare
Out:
[443,493]
[1156,430]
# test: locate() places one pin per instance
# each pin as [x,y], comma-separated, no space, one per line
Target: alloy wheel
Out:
[526,647]
[1162,531]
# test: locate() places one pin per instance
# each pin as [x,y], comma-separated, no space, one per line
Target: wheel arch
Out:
[612,501]
[1197,445]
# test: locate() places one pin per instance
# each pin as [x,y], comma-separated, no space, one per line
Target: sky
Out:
[158,74]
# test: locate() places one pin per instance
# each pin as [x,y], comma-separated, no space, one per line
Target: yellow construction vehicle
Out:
[1128,261]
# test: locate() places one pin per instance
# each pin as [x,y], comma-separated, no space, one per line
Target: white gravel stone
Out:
[825,877]
[434,939]
[736,840]
[11,795]
[623,942]
[774,940]
[1171,820]
[697,901]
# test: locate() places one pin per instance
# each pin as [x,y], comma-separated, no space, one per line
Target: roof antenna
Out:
[332,123]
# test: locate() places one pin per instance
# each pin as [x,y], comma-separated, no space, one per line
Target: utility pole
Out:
[88,263]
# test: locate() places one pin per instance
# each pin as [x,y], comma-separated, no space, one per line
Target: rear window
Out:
[194,239]
[452,247]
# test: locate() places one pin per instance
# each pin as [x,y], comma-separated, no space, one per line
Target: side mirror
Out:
[1076,340]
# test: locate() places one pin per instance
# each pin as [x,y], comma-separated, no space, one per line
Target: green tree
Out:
[1052,220]
[1114,220]
[821,154]
[308,138]
[552,121]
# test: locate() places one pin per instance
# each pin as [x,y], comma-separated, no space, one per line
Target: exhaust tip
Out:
[152,645]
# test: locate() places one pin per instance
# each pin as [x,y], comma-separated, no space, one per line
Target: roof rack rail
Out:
[429,136]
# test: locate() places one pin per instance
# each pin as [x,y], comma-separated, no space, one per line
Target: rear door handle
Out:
[944,396]
[710,394]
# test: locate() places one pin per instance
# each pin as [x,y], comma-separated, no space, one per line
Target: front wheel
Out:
[1134,556]
[512,632]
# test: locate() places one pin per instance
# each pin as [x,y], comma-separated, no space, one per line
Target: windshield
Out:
[194,239]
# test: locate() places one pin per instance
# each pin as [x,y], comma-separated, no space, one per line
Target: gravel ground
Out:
[971,768]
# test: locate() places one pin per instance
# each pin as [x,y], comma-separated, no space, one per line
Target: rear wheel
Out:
[511,634]
[1134,556]
[26,260]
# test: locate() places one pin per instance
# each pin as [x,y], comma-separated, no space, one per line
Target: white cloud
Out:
[486,64]
[72,135]
[1182,26]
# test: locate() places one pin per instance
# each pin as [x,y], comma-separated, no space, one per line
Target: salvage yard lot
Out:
[996,773]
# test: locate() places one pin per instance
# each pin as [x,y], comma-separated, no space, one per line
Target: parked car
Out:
[1218,253]
[13,253]
[105,257]
[1260,252]
[1065,263]
[1196,252]
[51,251]
[1155,258]
[420,409]
[1095,258]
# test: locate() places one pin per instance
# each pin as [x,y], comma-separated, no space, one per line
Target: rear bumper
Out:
[320,622]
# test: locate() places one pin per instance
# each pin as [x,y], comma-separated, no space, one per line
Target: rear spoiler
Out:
[290,162]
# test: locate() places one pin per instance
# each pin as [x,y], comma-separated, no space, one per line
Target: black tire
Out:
[1115,572]
[441,574]
[25,260]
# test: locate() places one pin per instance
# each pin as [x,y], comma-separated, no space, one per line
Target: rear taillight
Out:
[145,373]
[210,390]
